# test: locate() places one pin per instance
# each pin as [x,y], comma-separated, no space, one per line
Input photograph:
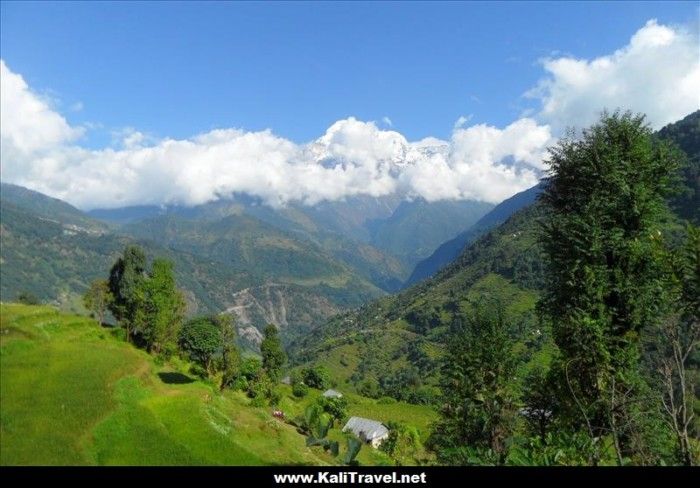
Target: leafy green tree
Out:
[273,356]
[98,298]
[676,344]
[230,356]
[300,390]
[125,284]
[540,402]
[403,441]
[200,339]
[605,200]
[316,377]
[161,309]
[337,408]
[477,385]
[27,298]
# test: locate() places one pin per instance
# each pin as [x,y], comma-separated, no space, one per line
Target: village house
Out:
[369,431]
[332,394]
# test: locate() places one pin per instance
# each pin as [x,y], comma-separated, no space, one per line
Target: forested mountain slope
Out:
[450,250]
[391,346]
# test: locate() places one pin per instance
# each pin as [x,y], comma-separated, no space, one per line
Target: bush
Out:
[337,408]
[370,388]
[316,377]
[250,368]
[274,396]
[300,390]
[240,384]
[258,401]
[27,298]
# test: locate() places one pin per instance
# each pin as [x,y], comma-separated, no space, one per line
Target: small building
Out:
[332,394]
[369,431]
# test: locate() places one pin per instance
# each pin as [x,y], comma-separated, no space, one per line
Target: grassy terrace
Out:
[72,393]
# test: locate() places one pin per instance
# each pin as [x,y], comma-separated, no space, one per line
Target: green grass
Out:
[71,393]
[419,416]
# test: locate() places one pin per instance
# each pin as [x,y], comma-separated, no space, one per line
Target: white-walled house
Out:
[332,394]
[367,430]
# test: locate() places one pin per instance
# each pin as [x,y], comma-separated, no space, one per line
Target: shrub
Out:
[337,408]
[316,377]
[27,298]
[300,390]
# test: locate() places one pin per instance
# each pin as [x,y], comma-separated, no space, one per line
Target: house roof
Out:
[365,428]
[332,393]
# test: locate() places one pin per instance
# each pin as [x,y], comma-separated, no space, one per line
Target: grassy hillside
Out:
[72,393]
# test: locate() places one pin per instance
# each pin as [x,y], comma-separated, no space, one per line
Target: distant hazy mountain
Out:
[416,228]
[381,238]
[47,207]
[449,250]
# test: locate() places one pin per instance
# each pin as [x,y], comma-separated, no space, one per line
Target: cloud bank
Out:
[658,73]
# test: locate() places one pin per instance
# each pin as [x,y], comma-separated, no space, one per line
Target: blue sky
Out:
[116,104]
[177,69]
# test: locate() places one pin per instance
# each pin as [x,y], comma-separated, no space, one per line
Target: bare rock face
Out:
[291,308]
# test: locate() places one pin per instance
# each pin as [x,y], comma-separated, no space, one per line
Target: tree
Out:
[604,199]
[201,339]
[161,308]
[316,377]
[336,407]
[230,357]
[27,298]
[479,400]
[679,336]
[98,298]
[539,397]
[125,283]
[403,441]
[273,356]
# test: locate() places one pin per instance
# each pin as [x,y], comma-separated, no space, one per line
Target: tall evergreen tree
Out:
[273,355]
[125,281]
[605,202]
[162,308]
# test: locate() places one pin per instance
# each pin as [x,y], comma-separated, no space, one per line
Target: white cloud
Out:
[461,121]
[387,121]
[352,157]
[656,73]
[28,125]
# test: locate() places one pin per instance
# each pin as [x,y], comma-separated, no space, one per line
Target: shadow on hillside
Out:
[173,378]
